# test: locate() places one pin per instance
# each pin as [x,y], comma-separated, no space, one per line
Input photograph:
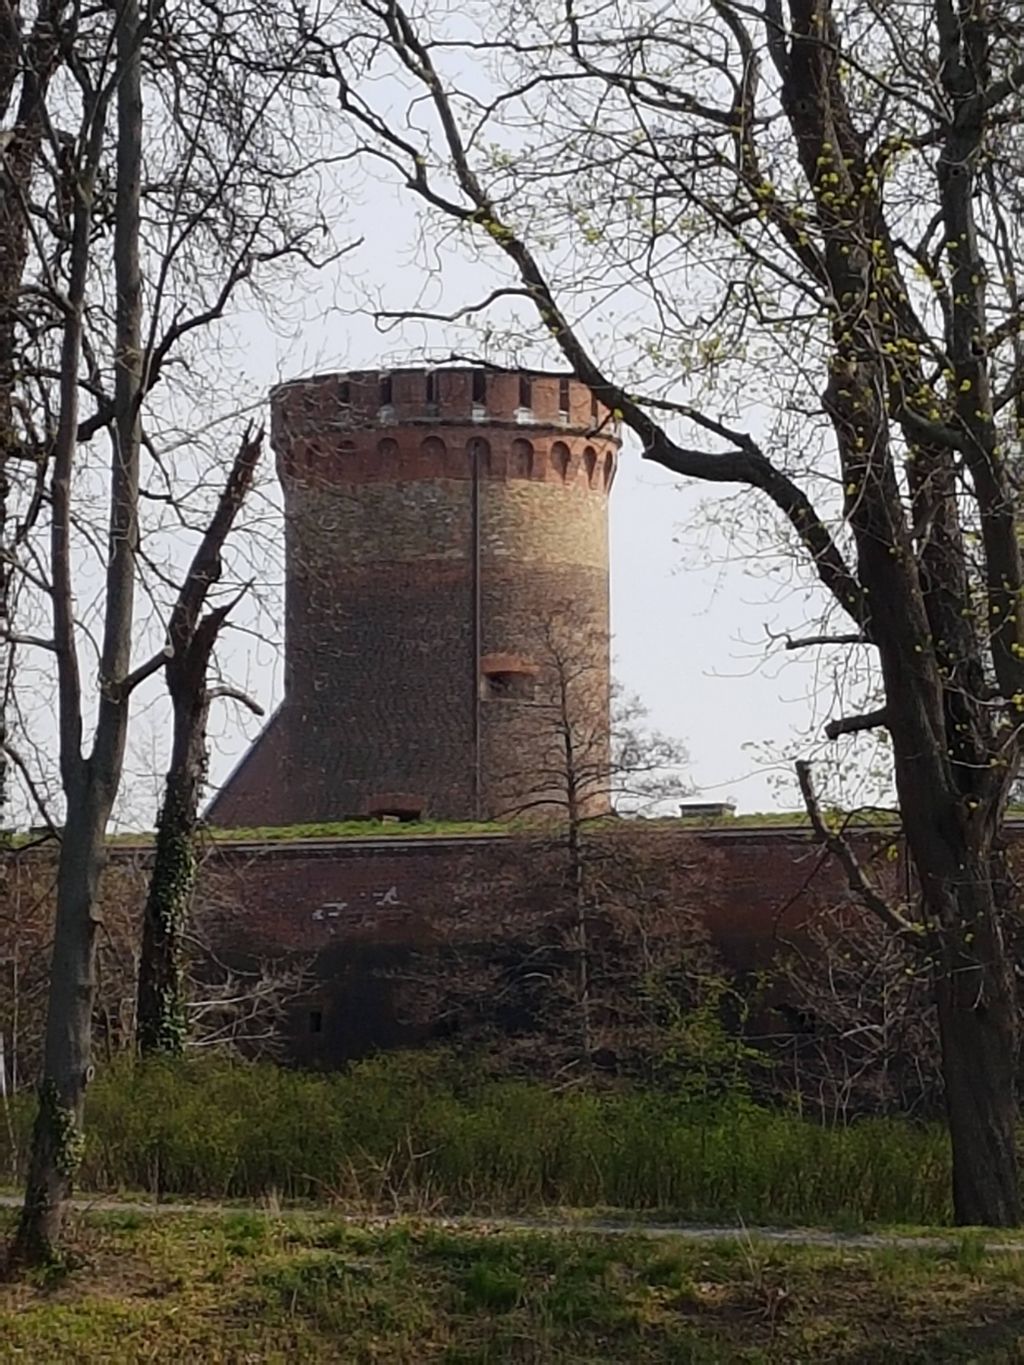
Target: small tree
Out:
[594,758]
[862,1036]
[586,949]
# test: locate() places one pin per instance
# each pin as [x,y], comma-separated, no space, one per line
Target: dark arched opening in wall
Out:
[521,466]
[560,459]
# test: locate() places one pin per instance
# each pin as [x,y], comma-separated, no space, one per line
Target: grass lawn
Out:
[241,1287]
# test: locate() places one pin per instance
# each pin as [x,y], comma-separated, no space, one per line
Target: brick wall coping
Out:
[349,845]
[436,844]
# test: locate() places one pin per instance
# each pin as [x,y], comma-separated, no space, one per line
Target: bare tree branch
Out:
[857,879]
[853,725]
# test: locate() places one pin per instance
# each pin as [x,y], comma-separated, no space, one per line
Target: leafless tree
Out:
[503,981]
[591,755]
[861,1034]
[590,949]
[231,999]
[161,1024]
[241,1008]
[813,209]
[158,174]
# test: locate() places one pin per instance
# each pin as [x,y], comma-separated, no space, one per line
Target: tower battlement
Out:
[370,398]
[435,521]
[447,423]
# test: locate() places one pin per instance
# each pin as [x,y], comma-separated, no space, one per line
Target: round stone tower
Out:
[445,528]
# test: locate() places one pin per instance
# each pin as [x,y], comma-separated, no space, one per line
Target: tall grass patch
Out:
[420,1132]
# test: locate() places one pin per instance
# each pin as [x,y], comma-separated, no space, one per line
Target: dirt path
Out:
[555,1226]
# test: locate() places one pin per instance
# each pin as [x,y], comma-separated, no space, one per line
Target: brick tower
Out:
[435,520]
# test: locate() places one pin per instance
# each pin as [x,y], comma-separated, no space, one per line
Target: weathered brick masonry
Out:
[306,894]
[358,908]
[434,522]
[362,905]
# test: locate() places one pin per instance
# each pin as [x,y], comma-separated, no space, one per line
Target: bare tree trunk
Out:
[581,911]
[33,58]
[161,1018]
[5,1102]
[576,869]
[981,1100]
[90,783]
[56,1137]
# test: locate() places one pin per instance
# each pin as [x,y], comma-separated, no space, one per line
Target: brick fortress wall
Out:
[362,909]
[435,523]
[359,911]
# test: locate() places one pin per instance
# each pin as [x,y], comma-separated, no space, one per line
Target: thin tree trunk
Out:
[577,874]
[56,1136]
[5,1102]
[33,59]
[581,909]
[90,783]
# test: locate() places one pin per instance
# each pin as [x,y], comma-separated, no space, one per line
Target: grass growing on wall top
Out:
[373,829]
[752,820]
[361,829]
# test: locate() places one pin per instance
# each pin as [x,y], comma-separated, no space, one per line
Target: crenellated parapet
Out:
[443,424]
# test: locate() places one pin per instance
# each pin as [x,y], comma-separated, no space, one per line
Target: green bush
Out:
[419,1131]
